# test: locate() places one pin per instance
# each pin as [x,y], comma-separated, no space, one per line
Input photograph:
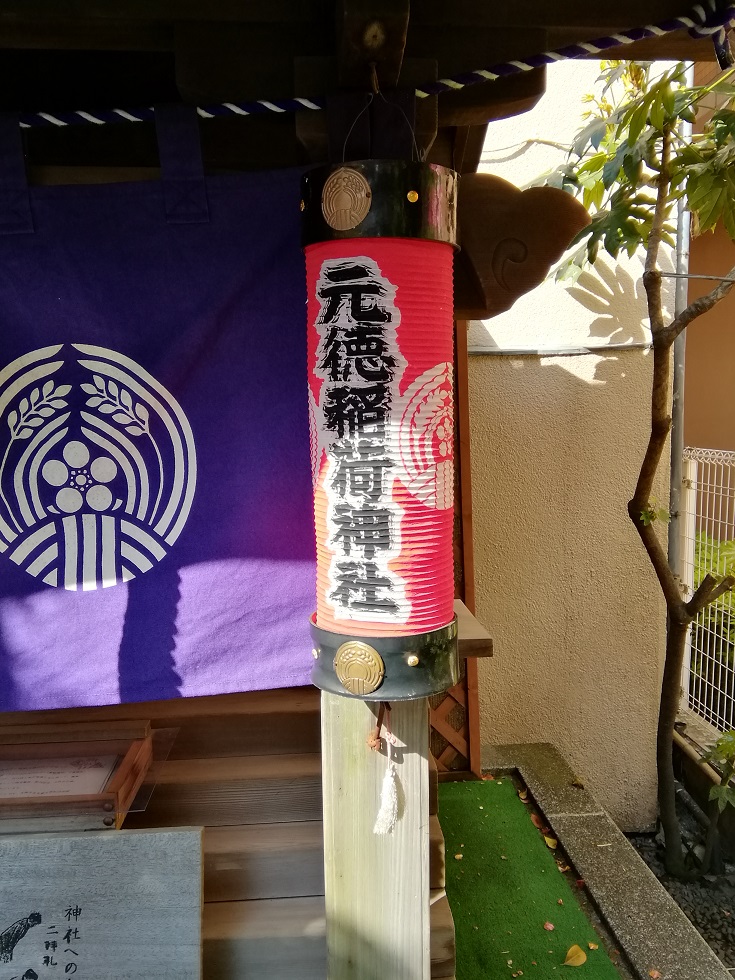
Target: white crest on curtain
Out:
[97,467]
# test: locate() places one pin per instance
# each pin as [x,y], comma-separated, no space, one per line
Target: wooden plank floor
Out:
[285,937]
[247,767]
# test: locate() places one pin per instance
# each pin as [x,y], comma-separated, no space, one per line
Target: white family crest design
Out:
[426,437]
[97,467]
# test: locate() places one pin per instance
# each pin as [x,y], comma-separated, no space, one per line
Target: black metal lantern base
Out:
[385,668]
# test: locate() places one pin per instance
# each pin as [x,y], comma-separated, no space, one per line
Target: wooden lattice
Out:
[449,728]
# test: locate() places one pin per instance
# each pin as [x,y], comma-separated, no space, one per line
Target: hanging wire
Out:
[354,123]
[711,18]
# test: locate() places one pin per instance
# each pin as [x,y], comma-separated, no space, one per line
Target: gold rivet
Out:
[413,660]
[315,653]
[412,196]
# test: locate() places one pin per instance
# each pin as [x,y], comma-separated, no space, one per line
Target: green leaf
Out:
[724,795]
[636,124]
[612,168]
[658,115]
[592,134]
[667,97]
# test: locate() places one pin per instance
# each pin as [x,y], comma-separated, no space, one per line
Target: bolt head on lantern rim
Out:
[379,199]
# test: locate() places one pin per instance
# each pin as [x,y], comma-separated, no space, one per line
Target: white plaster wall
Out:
[562,580]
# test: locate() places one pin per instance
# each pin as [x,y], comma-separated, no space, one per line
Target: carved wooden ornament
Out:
[509,240]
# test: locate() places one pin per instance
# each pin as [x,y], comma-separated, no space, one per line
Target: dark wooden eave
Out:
[96,53]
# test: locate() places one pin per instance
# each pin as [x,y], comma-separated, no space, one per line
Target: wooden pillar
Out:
[376,888]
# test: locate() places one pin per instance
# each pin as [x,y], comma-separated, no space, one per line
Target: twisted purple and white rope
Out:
[710,18]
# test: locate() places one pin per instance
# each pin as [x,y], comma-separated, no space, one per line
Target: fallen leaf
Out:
[458,857]
[488,777]
[537,821]
[551,842]
[560,901]
[580,882]
[577,784]
[654,974]
[503,857]
[593,945]
[549,926]
[563,867]
[523,793]
[576,956]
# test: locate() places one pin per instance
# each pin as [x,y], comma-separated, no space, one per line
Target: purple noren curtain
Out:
[156,535]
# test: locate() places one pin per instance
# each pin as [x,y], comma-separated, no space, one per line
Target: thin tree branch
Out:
[660,426]
[660,418]
[725,586]
[651,275]
[709,590]
[701,597]
[658,559]
[697,307]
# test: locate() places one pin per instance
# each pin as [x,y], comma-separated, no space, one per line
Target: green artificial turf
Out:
[506,886]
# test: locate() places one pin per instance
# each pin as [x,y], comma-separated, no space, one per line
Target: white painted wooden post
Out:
[688,528]
[376,888]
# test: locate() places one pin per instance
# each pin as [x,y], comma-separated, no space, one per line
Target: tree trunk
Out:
[711,859]
[670,694]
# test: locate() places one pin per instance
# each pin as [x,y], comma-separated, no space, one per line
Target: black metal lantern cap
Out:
[379,199]
[385,668]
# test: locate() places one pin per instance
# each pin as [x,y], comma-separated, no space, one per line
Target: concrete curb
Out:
[647,923]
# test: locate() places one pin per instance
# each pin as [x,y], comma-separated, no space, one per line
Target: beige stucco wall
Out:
[562,582]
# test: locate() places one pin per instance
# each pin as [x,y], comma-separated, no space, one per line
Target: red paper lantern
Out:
[380,350]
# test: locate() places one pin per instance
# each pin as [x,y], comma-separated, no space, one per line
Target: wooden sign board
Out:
[120,906]
[68,778]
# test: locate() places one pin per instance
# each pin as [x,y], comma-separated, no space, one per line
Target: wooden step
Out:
[437,854]
[284,939]
[211,736]
[284,860]
[263,861]
[433,786]
[241,790]
[443,948]
[179,711]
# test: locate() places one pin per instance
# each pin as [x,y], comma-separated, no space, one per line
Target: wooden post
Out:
[376,888]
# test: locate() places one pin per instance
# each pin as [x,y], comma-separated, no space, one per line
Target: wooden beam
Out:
[376,887]
[371,32]
[474,639]
[470,13]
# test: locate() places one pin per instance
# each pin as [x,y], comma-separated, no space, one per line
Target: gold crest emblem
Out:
[346,199]
[359,667]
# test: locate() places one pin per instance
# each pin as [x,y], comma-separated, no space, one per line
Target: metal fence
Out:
[708,545]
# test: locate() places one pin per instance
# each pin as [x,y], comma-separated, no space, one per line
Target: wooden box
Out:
[71,777]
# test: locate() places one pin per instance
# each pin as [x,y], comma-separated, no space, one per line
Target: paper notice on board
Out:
[82,776]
